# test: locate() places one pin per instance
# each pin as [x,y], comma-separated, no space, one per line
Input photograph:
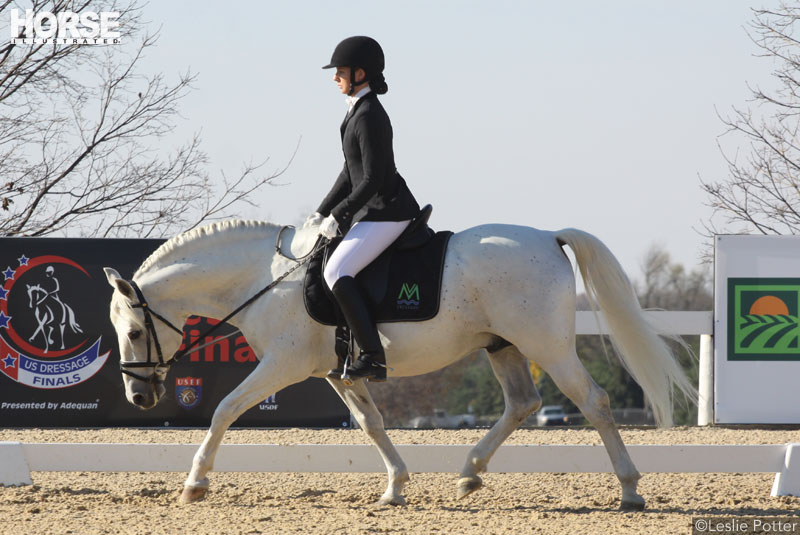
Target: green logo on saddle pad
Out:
[763,319]
[409,297]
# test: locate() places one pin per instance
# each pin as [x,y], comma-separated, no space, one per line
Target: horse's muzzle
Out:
[149,398]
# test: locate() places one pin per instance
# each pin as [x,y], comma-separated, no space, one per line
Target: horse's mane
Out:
[218,230]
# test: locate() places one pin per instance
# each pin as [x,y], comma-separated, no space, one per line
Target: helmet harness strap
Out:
[353,80]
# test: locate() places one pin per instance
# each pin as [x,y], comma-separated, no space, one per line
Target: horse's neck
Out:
[213,281]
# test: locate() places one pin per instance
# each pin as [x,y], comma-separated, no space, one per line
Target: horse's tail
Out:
[642,351]
[73,324]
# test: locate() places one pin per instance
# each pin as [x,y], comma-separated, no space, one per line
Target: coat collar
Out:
[353,100]
[368,96]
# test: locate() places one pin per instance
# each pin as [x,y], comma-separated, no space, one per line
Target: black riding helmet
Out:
[359,51]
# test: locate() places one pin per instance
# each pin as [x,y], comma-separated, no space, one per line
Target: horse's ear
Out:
[116,281]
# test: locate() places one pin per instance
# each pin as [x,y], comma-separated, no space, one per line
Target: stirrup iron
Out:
[370,375]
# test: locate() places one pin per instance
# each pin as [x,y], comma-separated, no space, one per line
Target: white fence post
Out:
[787,481]
[705,389]
[13,465]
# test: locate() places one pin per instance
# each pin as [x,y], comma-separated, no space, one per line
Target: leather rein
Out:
[161,365]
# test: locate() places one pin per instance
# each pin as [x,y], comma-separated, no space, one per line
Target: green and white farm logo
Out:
[763,319]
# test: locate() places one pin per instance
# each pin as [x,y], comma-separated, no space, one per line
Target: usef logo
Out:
[42,342]
[763,319]
[188,391]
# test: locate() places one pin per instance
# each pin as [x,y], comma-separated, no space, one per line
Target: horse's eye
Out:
[133,335]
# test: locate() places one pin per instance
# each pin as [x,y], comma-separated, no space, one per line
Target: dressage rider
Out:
[370,203]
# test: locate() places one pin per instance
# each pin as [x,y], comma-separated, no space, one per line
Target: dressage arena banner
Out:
[756,329]
[59,356]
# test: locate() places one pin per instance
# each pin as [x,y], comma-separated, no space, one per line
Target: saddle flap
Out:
[316,294]
[400,285]
[318,297]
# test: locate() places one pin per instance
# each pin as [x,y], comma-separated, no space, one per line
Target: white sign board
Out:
[756,330]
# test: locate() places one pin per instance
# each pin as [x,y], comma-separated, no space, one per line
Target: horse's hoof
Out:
[391,500]
[628,505]
[468,485]
[192,494]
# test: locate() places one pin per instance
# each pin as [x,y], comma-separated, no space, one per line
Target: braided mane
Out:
[218,230]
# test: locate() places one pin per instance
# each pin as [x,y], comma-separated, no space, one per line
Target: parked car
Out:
[440,419]
[551,415]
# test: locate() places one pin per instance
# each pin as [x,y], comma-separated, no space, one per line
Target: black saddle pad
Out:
[400,285]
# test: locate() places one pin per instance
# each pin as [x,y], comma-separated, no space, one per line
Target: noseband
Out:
[161,366]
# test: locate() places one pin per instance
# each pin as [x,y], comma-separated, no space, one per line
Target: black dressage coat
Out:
[369,188]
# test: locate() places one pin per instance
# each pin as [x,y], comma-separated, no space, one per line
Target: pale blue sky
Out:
[596,115]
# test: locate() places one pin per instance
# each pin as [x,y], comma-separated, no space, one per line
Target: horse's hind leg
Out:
[575,382]
[61,331]
[513,372]
[359,401]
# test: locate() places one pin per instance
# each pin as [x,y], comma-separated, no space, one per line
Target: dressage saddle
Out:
[402,284]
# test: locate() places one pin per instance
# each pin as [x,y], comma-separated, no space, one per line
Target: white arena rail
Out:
[17,460]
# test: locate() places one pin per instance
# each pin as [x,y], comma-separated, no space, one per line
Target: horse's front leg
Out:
[266,379]
[359,401]
[39,329]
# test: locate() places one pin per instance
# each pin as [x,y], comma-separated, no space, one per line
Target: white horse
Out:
[509,289]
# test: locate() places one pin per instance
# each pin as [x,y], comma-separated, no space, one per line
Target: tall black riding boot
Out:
[371,363]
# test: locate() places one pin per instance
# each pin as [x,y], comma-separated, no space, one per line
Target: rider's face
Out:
[342,78]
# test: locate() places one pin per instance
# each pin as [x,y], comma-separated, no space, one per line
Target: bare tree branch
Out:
[81,132]
[762,190]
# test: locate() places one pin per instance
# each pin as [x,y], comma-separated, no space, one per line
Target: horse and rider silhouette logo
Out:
[763,319]
[52,314]
[42,341]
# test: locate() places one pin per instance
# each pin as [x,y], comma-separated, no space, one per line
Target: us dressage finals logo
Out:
[763,319]
[42,342]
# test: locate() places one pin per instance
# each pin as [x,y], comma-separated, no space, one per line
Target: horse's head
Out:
[142,344]
[32,290]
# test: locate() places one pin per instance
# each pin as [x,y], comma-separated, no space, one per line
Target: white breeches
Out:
[362,244]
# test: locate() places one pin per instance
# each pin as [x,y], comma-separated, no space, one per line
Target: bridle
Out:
[162,365]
